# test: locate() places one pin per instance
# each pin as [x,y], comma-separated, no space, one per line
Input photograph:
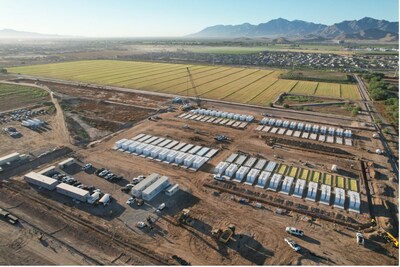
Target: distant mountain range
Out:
[363,29]
[13,34]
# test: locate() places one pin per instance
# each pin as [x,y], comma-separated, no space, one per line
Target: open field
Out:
[242,85]
[15,96]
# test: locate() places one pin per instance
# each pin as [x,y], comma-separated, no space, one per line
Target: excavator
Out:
[224,235]
[389,238]
[184,217]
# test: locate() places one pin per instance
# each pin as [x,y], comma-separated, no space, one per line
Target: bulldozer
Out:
[184,217]
[224,235]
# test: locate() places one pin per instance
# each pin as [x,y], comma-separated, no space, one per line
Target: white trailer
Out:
[65,163]
[41,180]
[73,192]
[150,192]
[138,189]
[105,200]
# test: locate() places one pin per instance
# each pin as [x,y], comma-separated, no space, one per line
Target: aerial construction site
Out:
[239,145]
[110,175]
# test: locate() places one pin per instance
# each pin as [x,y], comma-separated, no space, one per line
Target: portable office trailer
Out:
[251,176]
[260,164]
[105,200]
[299,188]
[312,191]
[250,162]
[172,189]
[41,180]
[263,179]
[138,189]
[73,192]
[48,171]
[339,198]
[274,183]
[287,185]
[180,157]
[119,143]
[126,144]
[93,197]
[241,173]
[221,167]
[188,161]
[162,155]
[354,201]
[240,160]
[231,170]
[171,155]
[66,163]
[325,194]
[150,192]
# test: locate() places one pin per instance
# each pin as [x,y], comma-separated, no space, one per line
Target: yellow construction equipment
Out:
[224,235]
[184,217]
[390,238]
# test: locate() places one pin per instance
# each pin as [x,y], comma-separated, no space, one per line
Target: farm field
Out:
[15,96]
[241,85]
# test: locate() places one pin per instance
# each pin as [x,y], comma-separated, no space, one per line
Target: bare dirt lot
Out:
[108,235]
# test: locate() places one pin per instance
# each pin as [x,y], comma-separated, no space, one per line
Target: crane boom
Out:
[198,101]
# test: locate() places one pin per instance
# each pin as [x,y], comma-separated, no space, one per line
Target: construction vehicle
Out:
[360,238]
[190,77]
[222,138]
[5,215]
[224,235]
[389,238]
[184,217]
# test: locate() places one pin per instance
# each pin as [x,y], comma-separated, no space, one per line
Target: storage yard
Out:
[159,190]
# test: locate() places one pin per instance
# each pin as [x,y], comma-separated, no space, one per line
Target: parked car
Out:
[141,225]
[219,177]
[130,201]
[138,179]
[294,231]
[292,244]
[98,171]
[161,207]
[87,167]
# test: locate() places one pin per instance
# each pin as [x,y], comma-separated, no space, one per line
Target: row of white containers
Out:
[32,123]
[307,127]
[226,115]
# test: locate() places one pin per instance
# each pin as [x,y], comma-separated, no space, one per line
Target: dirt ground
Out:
[259,232]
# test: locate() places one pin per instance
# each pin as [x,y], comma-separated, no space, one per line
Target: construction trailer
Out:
[354,201]
[150,192]
[140,187]
[41,180]
[287,185]
[299,188]
[73,192]
[312,191]
[9,158]
[325,194]
[172,189]
[48,171]
[340,198]
[66,163]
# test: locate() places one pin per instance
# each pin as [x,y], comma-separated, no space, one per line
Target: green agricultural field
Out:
[241,85]
[17,96]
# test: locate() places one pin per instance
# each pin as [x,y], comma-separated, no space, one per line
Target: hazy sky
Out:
[114,18]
